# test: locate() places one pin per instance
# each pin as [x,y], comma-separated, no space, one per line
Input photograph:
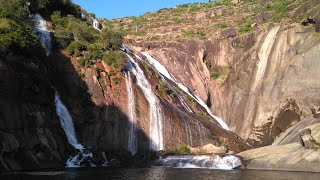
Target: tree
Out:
[14,9]
[112,40]
[15,36]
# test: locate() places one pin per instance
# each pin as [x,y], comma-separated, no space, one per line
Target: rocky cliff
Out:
[260,82]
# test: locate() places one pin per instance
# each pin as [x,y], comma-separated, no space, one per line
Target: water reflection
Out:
[160,173]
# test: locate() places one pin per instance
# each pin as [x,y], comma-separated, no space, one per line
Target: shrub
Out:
[182,150]
[148,69]
[186,33]
[63,38]
[111,39]
[203,116]
[245,26]
[16,10]
[112,73]
[215,75]
[162,86]
[81,74]
[84,61]
[115,59]
[117,80]
[76,46]
[15,36]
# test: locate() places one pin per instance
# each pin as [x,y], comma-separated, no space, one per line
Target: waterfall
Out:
[132,140]
[43,33]
[182,101]
[67,125]
[95,24]
[66,122]
[156,114]
[162,70]
[202,161]
[65,118]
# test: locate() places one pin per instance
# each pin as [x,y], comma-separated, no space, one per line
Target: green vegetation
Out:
[85,43]
[238,46]
[163,87]
[116,59]
[245,26]
[148,69]
[192,102]
[117,80]
[203,115]
[111,73]
[181,150]
[279,7]
[222,26]
[15,36]
[15,29]
[222,74]
[81,74]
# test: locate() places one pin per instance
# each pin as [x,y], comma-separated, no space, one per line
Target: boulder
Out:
[207,149]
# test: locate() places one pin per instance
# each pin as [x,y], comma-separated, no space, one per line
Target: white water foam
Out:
[206,162]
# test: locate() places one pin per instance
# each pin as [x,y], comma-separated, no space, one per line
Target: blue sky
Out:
[123,8]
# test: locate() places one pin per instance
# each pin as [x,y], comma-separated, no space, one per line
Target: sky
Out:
[117,9]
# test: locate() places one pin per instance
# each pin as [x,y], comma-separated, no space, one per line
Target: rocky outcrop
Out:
[302,154]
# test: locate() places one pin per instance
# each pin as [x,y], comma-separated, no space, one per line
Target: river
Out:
[159,173]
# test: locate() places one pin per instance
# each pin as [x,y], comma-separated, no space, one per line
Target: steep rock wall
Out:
[30,133]
[271,80]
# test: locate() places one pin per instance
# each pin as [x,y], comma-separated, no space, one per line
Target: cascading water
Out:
[65,118]
[43,33]
[96,24]
[132,140]
[156,114]
[162,70]
[228,162]
[66,122]
[182,102]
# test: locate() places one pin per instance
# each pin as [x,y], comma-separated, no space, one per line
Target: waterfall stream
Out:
[132,139]
[156,114]
[43,33]
[65,118]
[66,122]
[162,70]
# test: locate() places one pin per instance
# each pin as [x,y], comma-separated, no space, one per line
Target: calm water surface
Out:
[162,173]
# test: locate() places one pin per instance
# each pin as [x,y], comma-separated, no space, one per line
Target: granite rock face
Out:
[300,154]
[270,84]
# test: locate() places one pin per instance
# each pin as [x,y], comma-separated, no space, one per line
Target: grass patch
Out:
[181,150]
[222,26]
[164,88]
[223,74]
[245,26]
[203,115]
